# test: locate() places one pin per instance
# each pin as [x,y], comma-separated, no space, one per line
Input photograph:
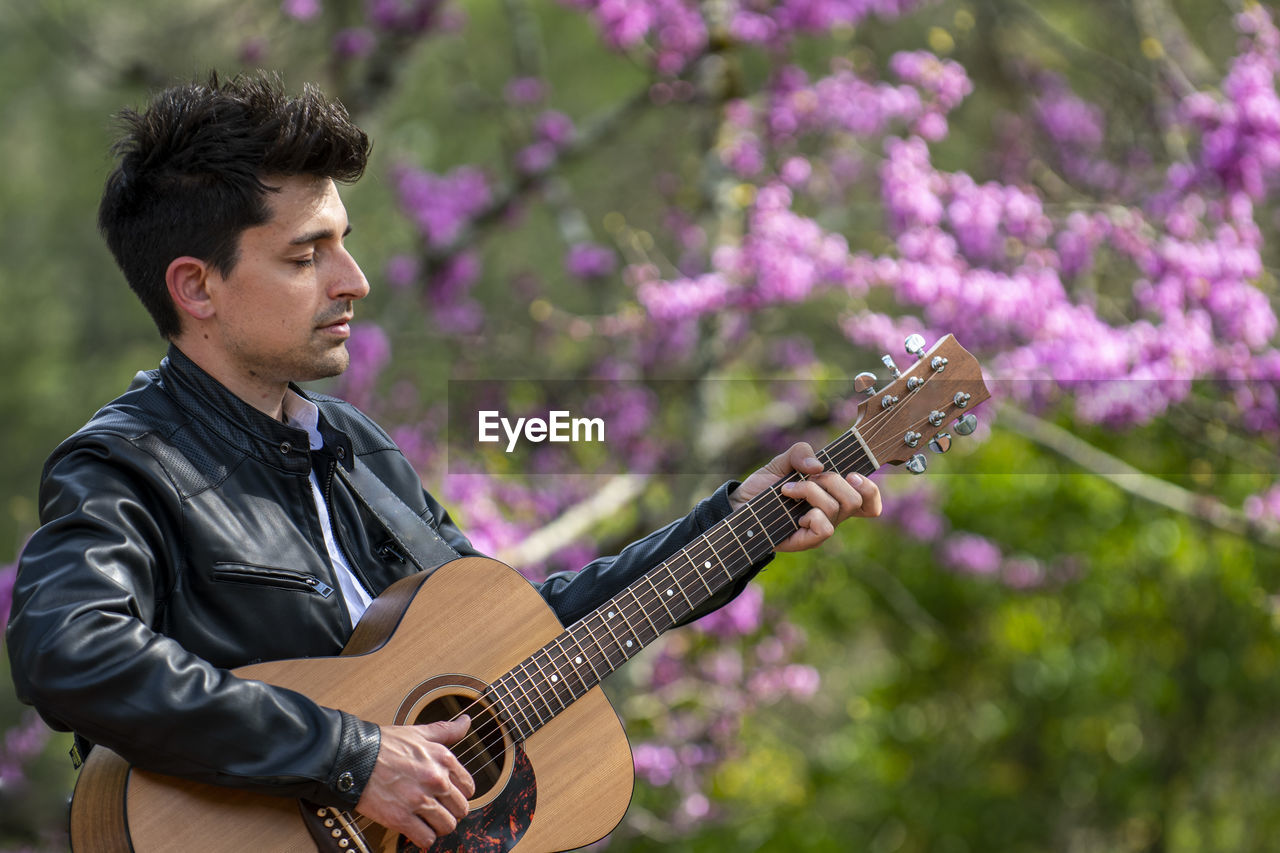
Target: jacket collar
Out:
[263,437]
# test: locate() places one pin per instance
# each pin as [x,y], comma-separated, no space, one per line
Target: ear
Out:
[188,281]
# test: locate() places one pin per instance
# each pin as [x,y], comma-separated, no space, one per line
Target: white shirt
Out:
[304,414]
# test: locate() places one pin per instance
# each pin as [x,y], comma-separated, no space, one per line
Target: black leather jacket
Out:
[180,538]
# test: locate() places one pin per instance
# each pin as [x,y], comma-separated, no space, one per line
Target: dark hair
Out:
[190,174]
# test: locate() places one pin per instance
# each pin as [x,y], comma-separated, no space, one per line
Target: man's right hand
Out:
[418,788]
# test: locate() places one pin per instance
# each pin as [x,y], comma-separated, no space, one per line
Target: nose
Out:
[349,282]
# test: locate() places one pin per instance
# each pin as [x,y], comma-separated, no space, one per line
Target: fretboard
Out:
[555,676]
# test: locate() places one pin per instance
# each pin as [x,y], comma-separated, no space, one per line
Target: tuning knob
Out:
[940,443]
[916,464]
[914,345]
[893,368]
[967,424]
[865,383]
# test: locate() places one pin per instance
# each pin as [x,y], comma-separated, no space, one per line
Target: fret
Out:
[503,708]
[574,659]
[636,598]
[637,616]
[529,699]
[753,533]
[562,670]
[584,656]
[551,680]
[676,584]
[750,533]
[634,643]
[573,666]
[693,563]
[663,600]
[654,604]
[612,614]
[529,726]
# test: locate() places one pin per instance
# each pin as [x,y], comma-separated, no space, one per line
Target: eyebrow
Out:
[316,236]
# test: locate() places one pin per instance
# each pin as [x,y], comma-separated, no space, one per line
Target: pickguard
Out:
[496,827]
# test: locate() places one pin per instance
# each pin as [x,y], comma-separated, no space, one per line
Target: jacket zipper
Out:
[279,578]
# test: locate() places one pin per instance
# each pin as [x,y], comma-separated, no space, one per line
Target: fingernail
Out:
[855,479]
[810,461]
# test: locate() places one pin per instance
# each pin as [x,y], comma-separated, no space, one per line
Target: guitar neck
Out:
[555,676]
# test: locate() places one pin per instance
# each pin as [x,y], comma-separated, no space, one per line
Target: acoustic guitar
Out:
[551,762]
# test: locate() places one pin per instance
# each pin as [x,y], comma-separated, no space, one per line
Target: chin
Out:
[327,366]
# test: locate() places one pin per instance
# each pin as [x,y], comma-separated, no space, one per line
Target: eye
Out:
[308,261]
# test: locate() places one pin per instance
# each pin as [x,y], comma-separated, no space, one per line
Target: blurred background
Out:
[706,218]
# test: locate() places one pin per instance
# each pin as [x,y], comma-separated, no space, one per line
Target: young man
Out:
[207,519]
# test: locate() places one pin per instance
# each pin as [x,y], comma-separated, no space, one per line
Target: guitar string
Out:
[786,506]
[837,460]
[781,508]
[780,503]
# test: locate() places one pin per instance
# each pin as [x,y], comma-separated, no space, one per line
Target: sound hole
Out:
[482,751]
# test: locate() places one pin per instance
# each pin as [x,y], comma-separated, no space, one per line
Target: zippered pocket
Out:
[278,578]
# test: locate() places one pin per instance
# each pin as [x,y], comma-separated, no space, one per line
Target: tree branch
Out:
[716,440]
[1123,475]
[577,520]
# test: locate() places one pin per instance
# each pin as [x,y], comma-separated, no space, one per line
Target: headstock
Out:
[921,404]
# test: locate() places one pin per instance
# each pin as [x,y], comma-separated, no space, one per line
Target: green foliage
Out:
[1123,704]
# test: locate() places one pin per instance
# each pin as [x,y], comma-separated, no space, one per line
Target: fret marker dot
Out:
[750,533]
[610,614]
[670,593]
[554,679]
[707,564]
[578,659]
[628,644]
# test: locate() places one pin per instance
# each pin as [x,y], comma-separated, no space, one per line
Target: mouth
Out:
[341,326]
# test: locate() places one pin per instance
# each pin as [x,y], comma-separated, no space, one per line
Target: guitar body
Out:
[424,643]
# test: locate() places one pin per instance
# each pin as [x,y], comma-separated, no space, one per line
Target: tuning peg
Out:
[893,368]
[865,383]
[967,424]
[914,345]
[916,464]
[940,443]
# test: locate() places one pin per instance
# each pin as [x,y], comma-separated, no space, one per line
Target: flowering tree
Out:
[750,190]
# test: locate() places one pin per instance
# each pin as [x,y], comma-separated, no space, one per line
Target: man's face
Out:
[283,312]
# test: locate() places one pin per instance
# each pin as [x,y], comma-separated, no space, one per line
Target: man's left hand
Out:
[832,498]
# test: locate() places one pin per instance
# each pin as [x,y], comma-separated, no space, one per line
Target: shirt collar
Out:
[305,415]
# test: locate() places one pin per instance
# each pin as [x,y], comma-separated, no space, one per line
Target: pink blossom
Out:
[655,763]
[354,42]
[971,554]
[737,618]
[590,260]
[301,10]
[442,205]
[1264,506]
[525,91]
[554,127]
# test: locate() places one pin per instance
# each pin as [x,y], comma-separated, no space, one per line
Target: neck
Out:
[552,678]
[267,396]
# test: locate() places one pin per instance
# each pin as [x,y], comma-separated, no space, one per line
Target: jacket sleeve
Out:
[84,652]
[573,595]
